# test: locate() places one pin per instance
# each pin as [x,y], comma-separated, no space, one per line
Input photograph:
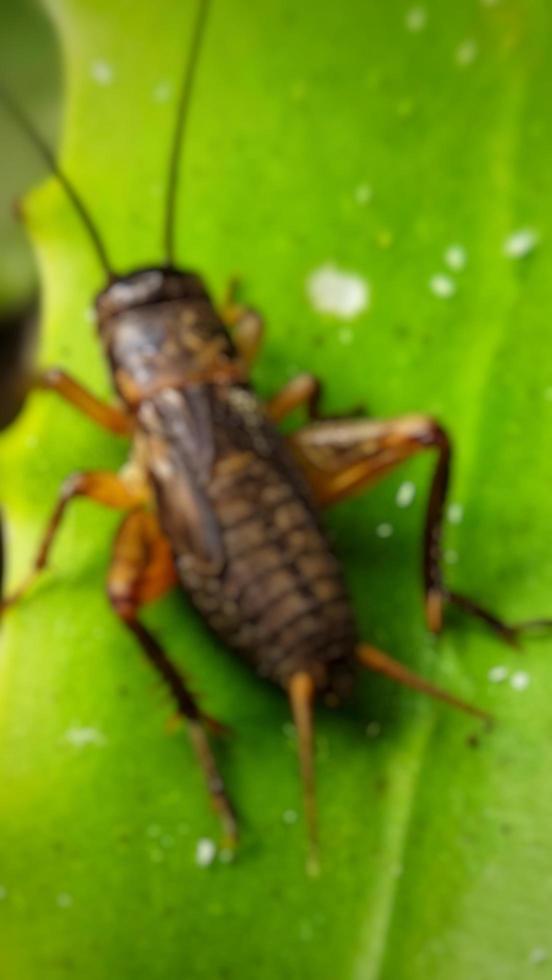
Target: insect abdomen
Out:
[247,542]
[279,599]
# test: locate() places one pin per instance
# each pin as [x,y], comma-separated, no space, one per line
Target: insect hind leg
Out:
[342,457]
[509,632]
[142,569]
[381,663]
[301,695]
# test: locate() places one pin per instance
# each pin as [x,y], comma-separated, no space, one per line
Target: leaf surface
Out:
[436,842]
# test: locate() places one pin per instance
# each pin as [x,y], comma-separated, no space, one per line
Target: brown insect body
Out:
[215,498]
[239,516]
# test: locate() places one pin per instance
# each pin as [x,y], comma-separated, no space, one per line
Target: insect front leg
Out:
[247,328]
[245,323]
[109,417]
[142,569]
[304,389]
[343,457]
[105,488]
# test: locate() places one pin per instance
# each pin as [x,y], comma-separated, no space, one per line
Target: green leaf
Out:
[436,844]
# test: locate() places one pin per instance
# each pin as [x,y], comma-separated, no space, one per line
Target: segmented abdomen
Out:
[263,576]
[280,598]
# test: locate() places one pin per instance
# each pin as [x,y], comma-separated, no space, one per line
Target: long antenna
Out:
[179,130]
[44,150]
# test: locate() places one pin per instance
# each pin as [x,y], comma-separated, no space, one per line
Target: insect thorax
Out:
[160,323]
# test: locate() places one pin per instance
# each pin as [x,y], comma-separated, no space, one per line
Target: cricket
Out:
[216,501]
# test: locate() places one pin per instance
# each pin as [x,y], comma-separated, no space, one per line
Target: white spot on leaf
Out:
[79,736]
[206,850]
[520,680]
[442,286]
[384,530]
[466,52]
[102,72]
[162,92]
[538,955]
[520,243]
[415,19]
[498,674]
[405,494]
[64,900]
[363,194]
[289,816]
[455,513]
[455,257]
[332,290]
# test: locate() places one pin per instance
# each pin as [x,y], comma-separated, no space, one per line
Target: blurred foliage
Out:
[436,840]
[29,59]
